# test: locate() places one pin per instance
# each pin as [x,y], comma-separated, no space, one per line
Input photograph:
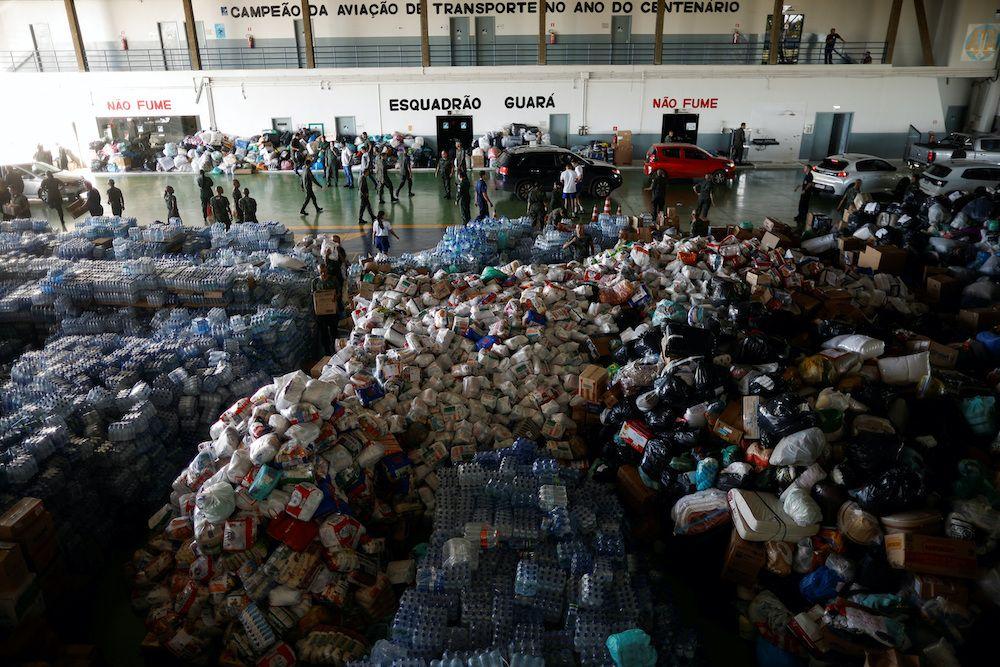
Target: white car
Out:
[32,173]
[835,173]
[943,177]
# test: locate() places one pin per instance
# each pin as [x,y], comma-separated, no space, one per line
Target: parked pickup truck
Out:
[956,146]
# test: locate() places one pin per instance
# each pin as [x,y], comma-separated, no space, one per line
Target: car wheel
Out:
[600,188]
[719,177]
[522,189]
[43,194]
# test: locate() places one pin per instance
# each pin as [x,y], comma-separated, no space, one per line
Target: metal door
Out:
[300,41]
[44,56]
[460,46]
[486,38]
[840,133]
[621,40]
[281,124]
[559,129]
[822,128]
[170,45]
[345,127]
[683,125]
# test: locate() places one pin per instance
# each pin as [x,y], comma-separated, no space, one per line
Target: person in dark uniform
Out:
[5,198]
[237,195]
[405,173]
[658,193]
[461,159]
[205,192]
[298,149]
[17,206]
[383,176]
[463,198]
[331,164]
[556,198]
[308,183]
[443,172]
[536,206]
[220,208]
[483,200]
[170,200]
[739,138]
[63,157]
[364,189]
[830,45]
[705,198]
[42,155]
[115,198]
[53,195]
[807,188]
[94,207]
[247,207]
[13,179]
[850,192]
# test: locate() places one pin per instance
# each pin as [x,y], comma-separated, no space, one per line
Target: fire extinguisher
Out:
[736,36]
[249,40]
[124,42]
[552,36]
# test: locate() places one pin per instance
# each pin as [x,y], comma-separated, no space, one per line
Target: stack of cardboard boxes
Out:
[27,554]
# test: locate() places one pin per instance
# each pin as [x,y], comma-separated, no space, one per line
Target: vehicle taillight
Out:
[502,171]
[931,155]
[841,174]
[814,168]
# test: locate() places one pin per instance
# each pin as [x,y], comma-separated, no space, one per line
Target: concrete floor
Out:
[419,220]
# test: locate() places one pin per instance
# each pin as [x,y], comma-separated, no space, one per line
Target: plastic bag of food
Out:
[896,490]
[802,448]
[216,501]
[858,525]
[783,415]
[799,505]
[779,557]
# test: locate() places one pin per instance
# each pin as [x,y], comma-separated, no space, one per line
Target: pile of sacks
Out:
[826,424]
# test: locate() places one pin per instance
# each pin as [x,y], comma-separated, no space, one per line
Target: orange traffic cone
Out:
[593,218]
[607,206]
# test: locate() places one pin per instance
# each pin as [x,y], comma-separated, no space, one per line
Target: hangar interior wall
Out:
[227,23]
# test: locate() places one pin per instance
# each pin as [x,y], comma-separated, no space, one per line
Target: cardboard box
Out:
[845,243]
[635,435]
[776,226]
[751,429]
[21,519]
[325,301]
[41,554]
[593,383]
[977,319]
[754,278]
[743,560]
[729,425]
[772,240]
[637,496]
[13,567]
[317,369]
[928,587]
[861,199]
[885,259]
[931,555]
[943,288]
[18,604]
[366,290]
[478,161]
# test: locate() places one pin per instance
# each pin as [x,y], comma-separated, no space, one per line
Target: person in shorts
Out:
[568,179]
[381,229]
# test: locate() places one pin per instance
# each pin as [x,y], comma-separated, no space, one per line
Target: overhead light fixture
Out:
[836,106]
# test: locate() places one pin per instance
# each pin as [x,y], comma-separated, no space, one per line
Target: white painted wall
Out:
[884,100]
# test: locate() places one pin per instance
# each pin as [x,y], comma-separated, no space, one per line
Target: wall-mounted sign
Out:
[981,42]
[139,106]
[220,31]
[469,103]
[685,102]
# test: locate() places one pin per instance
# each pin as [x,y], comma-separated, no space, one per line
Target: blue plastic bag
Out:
[631,649]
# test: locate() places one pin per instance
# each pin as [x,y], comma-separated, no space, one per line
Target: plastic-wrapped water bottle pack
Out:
[269,236]
[26,225]
[29,243]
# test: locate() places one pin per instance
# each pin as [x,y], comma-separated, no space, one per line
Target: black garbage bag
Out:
[673,391]
[783,415]
[625,353]
[661,418]
[683,440]
[648,344]
[753,349]
[746,314]
[896,490]
[827,329]
[724,291]
[872,571]
[620,413]
[655,458]
[765,480]
[709,382]
[868,455]
[627,317]
[766,384]
[683,340]
[979,209]
[734,480]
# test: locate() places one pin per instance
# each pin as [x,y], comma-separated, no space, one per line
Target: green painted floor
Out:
[419,219]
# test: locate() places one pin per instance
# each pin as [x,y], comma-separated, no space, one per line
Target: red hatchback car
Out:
[687,161]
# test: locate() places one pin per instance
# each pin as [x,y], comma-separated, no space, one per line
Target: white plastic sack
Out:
[799,505]
[289,389]
[867,347]
[279,261]
[800,449]
[905,370]
[216,501]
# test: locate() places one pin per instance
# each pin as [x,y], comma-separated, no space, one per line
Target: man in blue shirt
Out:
[482,197]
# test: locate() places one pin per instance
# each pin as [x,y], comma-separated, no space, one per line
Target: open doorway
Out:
[789,39]
[831,134]
[451,129]
[683,125]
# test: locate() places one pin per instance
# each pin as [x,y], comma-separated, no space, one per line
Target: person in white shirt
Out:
[578,170]
[381,229]
[346,157]
[569,179]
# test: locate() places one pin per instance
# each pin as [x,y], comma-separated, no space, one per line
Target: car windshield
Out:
[833,164]
[39,168]
[938,170]
[956,139]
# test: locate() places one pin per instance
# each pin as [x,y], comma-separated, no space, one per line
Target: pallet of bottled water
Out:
[96,227]
[26,225]
[526,565]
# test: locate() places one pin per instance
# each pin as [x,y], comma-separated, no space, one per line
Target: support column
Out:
[307,28]
[925,35]
[542,53]
[425,42]
[891,30]
[777,21]
[658,36]
[194,53]
[74,33]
